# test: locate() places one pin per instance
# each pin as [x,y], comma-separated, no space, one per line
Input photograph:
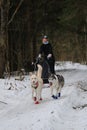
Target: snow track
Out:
[65,113]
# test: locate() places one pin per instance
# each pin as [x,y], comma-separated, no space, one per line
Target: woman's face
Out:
[44,40]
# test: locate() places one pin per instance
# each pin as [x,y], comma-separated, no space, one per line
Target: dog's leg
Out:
[53,96]
[37,98]
[33,96]
[40,89]
[32,93]
[40,94]
[56,93]
[51,90]
[59,92]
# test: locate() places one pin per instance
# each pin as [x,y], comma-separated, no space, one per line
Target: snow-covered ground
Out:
[18,111]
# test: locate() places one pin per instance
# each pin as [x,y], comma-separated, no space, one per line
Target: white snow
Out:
[18,111]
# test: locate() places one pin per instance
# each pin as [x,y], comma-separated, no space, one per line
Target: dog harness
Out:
[35,86]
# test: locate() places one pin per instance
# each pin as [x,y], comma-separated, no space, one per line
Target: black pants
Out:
[48,67]
[45,71]
[51,65]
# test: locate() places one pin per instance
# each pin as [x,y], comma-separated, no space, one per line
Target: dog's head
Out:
[33,79]
[51,79]
[61,80]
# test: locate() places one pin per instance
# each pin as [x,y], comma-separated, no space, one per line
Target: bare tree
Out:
[16,10]
[4,35]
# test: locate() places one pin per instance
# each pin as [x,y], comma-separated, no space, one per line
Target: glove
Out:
[49,56]
[39,56]
[38,59]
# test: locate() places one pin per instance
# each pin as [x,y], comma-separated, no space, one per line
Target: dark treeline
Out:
[23,22]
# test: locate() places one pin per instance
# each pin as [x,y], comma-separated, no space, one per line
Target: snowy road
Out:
[66,113]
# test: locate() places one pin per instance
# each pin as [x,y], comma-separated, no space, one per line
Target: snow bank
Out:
[69,65]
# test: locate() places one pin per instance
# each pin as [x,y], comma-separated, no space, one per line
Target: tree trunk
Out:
[86,39]
[3,38]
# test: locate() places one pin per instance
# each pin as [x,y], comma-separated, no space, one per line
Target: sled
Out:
[45,71]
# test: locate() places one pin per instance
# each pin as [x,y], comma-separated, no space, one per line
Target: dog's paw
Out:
[54,97]
[59,94]
[37,102]
[34,98]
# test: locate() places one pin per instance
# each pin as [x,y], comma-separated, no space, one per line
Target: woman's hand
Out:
[49,56]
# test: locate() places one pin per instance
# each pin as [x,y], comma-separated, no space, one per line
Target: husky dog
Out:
[56,83]
[36,84]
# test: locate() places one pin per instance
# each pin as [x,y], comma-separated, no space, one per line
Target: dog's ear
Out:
[30,73]
[35,73]
[49,74]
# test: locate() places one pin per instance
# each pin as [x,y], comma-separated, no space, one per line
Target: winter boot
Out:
[59,94]
[54,97]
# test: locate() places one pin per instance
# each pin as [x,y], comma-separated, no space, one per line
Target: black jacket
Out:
[46,49]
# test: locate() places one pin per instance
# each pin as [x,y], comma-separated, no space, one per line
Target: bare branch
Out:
[80,107]
[15,12]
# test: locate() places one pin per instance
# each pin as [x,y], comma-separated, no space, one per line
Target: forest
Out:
[24,22]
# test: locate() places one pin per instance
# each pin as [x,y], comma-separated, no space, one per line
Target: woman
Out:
[49,60]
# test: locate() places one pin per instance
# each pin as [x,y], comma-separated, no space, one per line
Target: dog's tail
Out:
[39,72]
